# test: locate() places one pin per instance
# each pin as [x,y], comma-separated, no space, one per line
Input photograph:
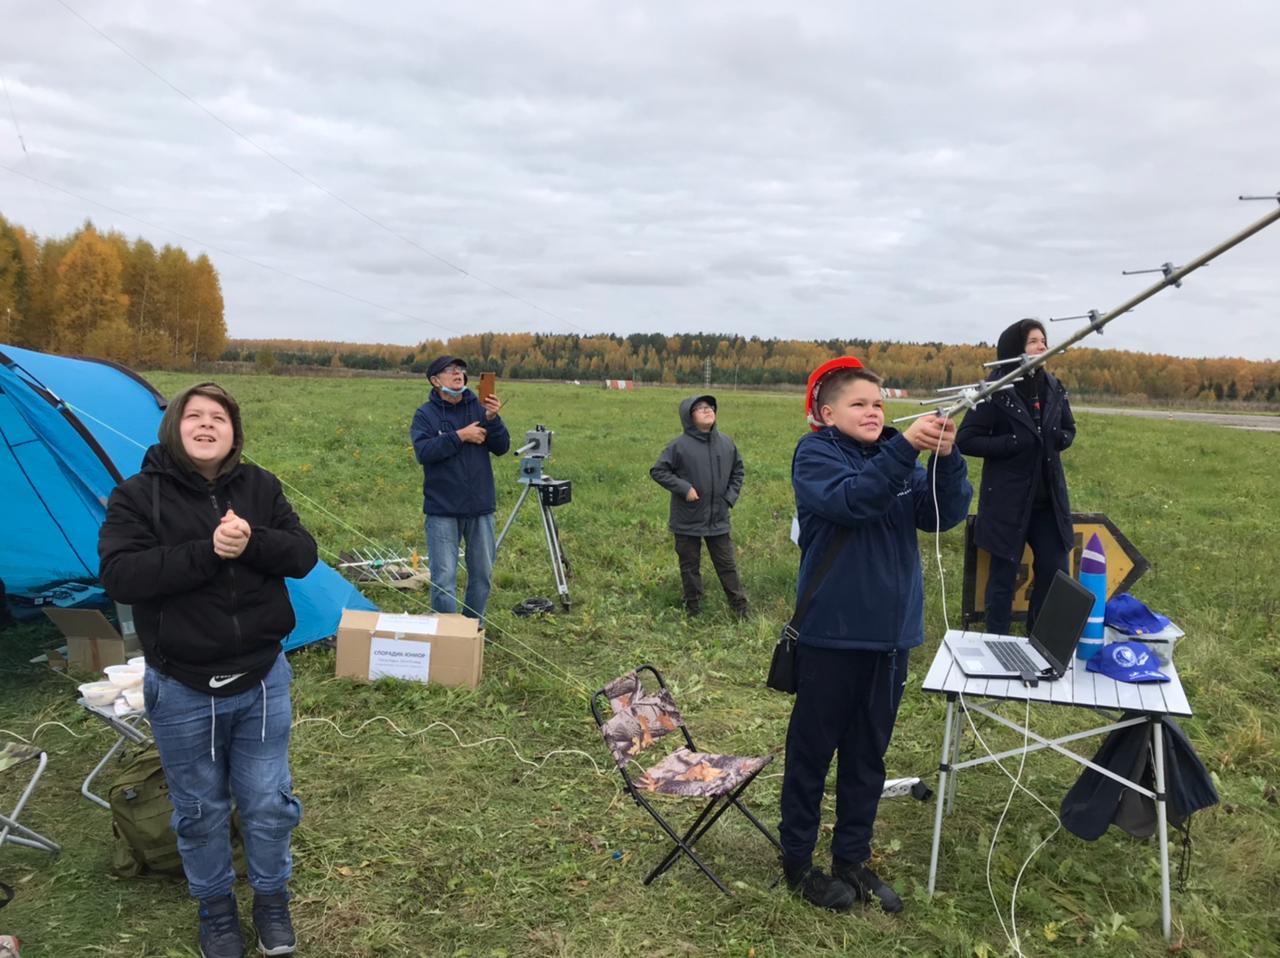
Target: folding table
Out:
[130,727]
[1079,688]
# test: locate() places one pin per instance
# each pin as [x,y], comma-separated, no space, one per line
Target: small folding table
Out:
[1079,688]
[131,727]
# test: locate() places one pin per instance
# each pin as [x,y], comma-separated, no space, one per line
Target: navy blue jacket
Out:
[457,478]
[873,596]
[1013,447]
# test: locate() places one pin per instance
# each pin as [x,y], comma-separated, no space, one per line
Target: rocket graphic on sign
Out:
[1093,576]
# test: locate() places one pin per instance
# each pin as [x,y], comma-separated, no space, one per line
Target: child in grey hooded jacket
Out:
[703,472]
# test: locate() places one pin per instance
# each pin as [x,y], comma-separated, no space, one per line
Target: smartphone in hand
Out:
[487,382]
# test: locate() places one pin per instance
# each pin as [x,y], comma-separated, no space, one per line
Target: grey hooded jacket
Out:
[706,461]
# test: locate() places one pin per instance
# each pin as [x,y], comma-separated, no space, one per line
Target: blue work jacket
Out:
[457,477]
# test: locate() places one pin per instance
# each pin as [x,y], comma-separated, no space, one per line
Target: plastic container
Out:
[99,693]
[133,698]
[124,676]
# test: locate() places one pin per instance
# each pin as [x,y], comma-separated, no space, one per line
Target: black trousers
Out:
[846,704]
[689,552]
[1048,557]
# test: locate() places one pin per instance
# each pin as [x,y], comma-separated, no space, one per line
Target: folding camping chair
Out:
[639,719]
[13,755]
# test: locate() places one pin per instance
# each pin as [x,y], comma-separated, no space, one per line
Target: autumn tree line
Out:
[682,359]
[100,294]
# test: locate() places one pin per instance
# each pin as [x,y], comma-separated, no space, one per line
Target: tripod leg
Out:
[557,557]
[524,494]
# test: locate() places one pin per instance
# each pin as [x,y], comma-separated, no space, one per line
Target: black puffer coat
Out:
[1003,432]
[706,461]
[202,619]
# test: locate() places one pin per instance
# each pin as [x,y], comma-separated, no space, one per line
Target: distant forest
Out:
[658,358]
[101,294]
[104,295]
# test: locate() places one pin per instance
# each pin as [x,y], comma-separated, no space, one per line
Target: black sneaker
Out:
[691,609]
[867,885]
[220,928]
[818,888]
[274,926]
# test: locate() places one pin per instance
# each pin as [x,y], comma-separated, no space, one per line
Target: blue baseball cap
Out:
[1130,616]
[1127,662]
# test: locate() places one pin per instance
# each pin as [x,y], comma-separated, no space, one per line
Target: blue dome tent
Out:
[70,430]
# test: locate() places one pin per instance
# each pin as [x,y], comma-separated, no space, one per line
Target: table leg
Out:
[943,765]
[957,738]
[1157,744]
[84,789]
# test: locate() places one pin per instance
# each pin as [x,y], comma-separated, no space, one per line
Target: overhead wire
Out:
[546,666]
[311,181]
[226,252]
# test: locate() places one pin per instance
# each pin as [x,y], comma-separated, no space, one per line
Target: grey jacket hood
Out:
[686,416]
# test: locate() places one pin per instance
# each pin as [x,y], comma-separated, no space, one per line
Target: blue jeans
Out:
[443,535]
[213,748]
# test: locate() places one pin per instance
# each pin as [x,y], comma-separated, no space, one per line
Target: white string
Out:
[458,738]
[551,669]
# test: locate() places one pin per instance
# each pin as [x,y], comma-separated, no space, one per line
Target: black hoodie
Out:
[213,624]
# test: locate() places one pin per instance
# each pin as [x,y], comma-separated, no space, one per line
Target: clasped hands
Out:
[231,536]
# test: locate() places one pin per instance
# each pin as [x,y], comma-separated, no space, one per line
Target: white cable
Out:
[38,729]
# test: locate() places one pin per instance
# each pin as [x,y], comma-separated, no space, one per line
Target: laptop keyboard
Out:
[1012,656]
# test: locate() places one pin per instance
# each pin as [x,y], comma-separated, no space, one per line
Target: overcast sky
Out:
[911,171]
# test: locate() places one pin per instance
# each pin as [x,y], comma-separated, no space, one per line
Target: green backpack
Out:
[143,839]
[144,842]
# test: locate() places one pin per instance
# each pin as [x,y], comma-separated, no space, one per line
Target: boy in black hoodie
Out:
[703,472]
[200,543]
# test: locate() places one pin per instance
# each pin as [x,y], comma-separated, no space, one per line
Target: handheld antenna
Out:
[1098,320]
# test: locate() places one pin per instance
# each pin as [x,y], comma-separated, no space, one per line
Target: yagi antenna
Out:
[967,399]
[1093,316]
[1166,268]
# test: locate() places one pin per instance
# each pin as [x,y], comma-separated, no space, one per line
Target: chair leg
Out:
[681,844]
[691,836]
[19,834]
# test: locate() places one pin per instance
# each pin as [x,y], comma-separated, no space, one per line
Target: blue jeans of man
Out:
[444,533]
[214,748]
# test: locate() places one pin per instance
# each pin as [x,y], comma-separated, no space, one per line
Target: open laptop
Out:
[1046,655]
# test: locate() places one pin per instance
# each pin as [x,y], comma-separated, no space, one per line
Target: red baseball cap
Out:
[816,377]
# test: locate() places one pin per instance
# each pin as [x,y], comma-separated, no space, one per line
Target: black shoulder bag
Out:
[782,669]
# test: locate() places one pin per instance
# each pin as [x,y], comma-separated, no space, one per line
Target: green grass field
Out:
[526,845]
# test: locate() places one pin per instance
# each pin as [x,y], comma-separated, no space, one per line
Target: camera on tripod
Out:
[537,449]
[551,492]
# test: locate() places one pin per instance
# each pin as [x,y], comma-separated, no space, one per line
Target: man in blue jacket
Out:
[860,496]
[453,436]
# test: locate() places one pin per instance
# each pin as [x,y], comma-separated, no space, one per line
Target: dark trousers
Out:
[689,552]
[1048,557]
[846,704]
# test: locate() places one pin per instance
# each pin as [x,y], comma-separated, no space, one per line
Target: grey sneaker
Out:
[220,928]
[274,926]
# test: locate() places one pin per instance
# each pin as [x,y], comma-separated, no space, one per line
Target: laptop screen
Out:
[1062,620]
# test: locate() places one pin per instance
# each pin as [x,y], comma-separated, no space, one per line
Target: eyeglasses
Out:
[701,407]
[452,370]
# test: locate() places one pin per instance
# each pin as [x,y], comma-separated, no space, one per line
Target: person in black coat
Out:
[1020,434]
[200,543]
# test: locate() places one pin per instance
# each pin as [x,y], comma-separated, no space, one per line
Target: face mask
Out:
[453,393]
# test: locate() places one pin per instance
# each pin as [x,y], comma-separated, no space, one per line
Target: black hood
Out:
[686,415]
[1013,341]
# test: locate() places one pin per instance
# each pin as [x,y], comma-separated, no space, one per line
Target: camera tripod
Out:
[551,493]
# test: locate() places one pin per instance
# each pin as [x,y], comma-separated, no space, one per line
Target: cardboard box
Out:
[440,649]
[93,642]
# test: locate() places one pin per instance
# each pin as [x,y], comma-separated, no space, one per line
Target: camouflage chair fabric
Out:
[14,754]
[638,719]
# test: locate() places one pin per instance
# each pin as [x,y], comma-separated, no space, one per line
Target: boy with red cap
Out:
[860,497]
